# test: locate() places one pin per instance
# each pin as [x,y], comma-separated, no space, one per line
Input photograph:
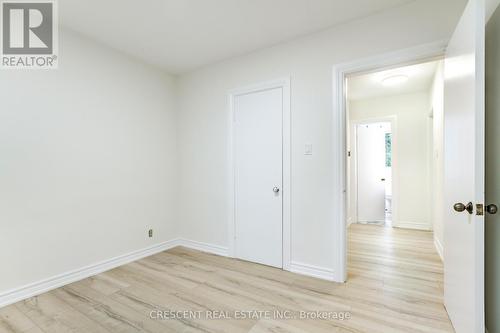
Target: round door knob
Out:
[492,209]
[460,207]
[276,189]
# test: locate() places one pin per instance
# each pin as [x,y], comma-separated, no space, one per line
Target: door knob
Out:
[492,209]
[276,189]
[460,207]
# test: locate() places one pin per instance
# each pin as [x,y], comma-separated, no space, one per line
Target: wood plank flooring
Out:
[395,285]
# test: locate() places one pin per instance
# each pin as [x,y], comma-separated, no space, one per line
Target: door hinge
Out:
[480,209]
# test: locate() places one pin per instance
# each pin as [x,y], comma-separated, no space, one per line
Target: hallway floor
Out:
[395,285]
[402,269]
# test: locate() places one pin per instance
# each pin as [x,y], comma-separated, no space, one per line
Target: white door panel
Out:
[371,171]
[464,171]
[258,170]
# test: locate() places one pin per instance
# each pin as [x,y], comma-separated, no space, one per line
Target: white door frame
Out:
[395,59]
[393,120]
[283,83]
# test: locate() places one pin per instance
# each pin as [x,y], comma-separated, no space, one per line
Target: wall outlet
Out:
[150,233]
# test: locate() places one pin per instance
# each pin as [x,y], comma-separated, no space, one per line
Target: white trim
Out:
[204,247]
[40,287]
[283,83]
[340,71]
[412,225]
[439,247]
[371,222]
[393,119]
[311,270]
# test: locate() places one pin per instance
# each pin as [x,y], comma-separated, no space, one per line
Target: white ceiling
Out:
[181,35]
[420,78]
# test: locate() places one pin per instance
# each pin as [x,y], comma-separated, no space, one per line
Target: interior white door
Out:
[371,173]
[464,172]
[258,142]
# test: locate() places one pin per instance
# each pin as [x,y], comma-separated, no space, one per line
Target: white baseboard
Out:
[413,225]
[205,247]
[371,222]
[294,267]
[40,287]
[439,247]
[314,271]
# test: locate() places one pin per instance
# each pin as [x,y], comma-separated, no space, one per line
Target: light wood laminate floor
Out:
[395,285]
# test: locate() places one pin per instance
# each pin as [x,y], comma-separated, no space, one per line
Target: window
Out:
[388,150]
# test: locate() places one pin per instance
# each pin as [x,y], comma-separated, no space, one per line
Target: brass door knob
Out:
[460,207]
[492,209]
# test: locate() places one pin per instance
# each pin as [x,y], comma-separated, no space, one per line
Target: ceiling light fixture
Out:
[394,80]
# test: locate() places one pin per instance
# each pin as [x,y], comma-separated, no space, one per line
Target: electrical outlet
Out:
[150,233]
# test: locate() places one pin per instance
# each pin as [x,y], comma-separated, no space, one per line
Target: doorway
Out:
[393,149]
[393,169]
[259,200]
[372,160]
[462,194]
[393,141]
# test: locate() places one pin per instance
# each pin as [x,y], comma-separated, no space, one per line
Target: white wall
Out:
[410,153]
[87,162]
[203,121]
[437,105]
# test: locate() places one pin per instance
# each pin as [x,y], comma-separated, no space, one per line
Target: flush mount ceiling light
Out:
[394,80]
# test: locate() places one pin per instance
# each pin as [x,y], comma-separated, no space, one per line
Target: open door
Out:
[464,172]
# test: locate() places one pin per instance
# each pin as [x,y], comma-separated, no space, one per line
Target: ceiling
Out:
[420,78]
[182,35]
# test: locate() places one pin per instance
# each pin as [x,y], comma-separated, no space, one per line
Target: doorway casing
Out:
[414,55]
